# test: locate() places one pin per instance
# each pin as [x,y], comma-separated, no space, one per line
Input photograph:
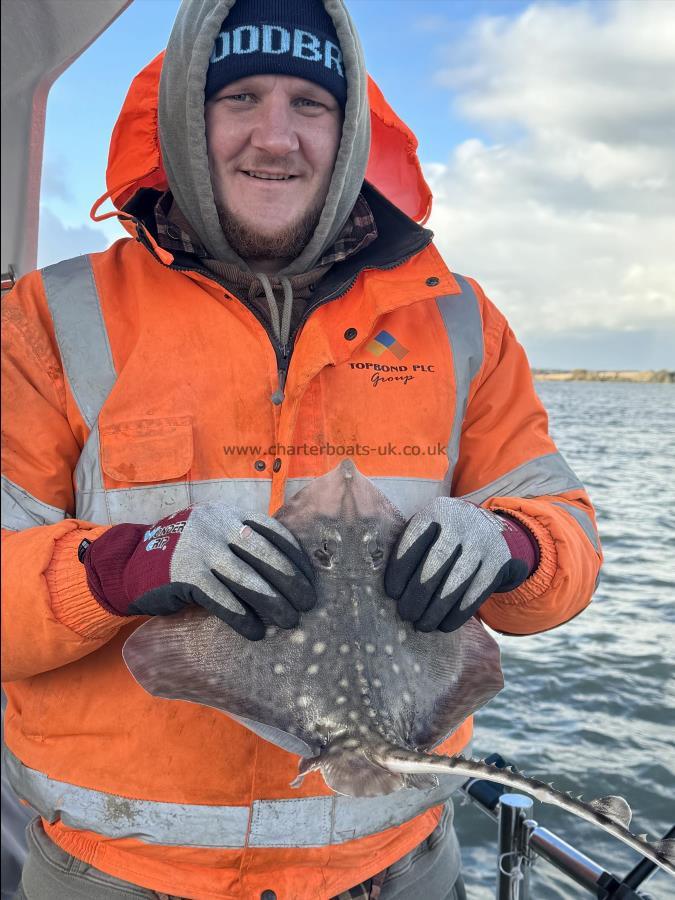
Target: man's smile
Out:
[268,176]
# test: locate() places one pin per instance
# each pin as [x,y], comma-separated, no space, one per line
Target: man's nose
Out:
[274,131]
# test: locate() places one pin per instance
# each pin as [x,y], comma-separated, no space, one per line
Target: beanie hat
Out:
[278,37]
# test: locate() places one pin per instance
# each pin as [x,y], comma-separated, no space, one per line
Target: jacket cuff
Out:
[105,563]
[520,541]
[540,580]
[72,602]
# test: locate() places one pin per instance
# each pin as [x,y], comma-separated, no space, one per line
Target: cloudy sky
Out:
[547,133]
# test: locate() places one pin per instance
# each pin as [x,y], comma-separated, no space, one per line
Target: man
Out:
[272,299]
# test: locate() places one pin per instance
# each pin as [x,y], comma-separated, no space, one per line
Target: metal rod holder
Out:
[514,809]
[527,829]
[575,864]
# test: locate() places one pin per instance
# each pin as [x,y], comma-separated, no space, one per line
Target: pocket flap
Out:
[147,450]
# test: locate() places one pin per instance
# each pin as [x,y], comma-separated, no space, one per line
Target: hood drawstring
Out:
[281,329]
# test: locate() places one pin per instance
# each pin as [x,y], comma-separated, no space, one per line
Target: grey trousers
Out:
[431,871]
[15,818]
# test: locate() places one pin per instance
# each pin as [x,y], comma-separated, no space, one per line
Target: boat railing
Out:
[521,840]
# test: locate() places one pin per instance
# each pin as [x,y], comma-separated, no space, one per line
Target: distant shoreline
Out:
[660,376]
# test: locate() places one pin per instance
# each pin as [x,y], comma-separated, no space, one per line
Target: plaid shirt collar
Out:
[174,232]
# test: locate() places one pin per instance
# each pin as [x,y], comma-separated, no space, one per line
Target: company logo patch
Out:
[385,341]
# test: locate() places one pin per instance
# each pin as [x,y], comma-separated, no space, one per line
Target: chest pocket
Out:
[147,450]
[143,475]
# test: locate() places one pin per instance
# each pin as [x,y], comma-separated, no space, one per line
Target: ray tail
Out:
[612,814]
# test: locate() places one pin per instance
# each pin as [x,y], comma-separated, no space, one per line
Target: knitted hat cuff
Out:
[287,37]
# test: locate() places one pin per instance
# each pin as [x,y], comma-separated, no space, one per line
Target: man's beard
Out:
[285,244]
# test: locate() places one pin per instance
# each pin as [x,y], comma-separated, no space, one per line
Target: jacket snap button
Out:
[268,895]
[276,465]
[173,232]
[433,281]
[259,464]
[350,334]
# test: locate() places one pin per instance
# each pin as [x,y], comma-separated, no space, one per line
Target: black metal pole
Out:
[513,809]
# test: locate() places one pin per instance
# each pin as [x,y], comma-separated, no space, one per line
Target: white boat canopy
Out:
[40,38]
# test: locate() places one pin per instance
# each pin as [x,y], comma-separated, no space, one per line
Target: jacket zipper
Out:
[347,286]
[283,352]
[283,362]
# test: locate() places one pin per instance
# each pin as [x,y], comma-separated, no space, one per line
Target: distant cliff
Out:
[662,376]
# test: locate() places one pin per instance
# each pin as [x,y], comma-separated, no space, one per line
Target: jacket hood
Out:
[183,139]
[136,161]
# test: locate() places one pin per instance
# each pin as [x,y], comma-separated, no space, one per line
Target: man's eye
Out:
[239,97]
[305,101]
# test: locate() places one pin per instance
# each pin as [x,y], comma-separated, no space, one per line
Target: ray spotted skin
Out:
[354,690]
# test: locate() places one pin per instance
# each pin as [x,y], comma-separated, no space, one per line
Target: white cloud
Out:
[568,215]
[58,241]
[54,181]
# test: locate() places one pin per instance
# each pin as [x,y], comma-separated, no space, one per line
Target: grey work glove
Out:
[450,557]
[247,569]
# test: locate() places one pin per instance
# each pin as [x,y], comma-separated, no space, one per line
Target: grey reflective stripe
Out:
[463,323]
[90,499]
[321,821]
[140,505]
[302,822]
[408,495]
[80,333]
[119,817]
[547,474]
[22,510]
[150,503]
[584,520]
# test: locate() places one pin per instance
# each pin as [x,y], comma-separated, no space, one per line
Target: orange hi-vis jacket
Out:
[136,385]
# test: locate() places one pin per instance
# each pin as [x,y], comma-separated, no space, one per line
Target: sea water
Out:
[591,705]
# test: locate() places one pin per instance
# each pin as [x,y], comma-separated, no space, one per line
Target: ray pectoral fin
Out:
[193,656]
[464,674]
[167,655]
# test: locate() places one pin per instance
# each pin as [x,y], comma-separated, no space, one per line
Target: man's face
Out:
[272,142]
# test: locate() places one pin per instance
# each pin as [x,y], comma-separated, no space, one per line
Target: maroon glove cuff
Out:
[520,541]
[105,561]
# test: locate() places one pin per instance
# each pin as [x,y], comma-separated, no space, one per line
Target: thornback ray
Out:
[354,690]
